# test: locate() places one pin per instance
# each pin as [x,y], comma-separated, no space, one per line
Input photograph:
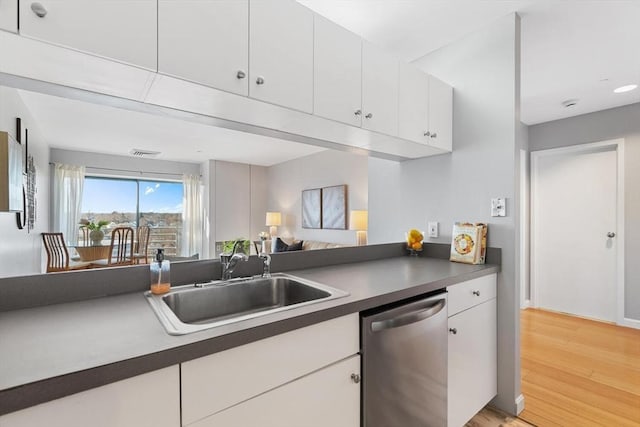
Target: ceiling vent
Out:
[569,103]
[144,153]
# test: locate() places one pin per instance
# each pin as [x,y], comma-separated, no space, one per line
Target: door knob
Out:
[260,80]
[611,234]
[241,75]
[38,9]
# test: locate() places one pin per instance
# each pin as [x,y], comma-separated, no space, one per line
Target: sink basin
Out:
[193,308]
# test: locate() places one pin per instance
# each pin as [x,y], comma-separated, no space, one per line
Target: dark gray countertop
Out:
[53,351]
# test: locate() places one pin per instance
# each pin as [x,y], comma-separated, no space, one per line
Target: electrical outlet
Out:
[432,229]
[498,206]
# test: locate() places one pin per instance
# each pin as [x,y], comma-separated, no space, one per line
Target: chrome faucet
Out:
[229,261]
[266,260]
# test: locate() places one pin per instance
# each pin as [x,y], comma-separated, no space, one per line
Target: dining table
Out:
[93,252]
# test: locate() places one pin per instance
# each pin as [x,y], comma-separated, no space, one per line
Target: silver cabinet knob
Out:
[38,9]
[357,112]
[453,331]
[434,135]
[260,80]
[355,378]
[368,116]
[427,133]
[476,293]
[241,75]
[611,234]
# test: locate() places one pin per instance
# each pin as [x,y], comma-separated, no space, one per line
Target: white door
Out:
[413,104]
[9,15]
[337,77]
[281,53]
[574,201]
[379,90]
[122,30]
[206,42]
[440,114]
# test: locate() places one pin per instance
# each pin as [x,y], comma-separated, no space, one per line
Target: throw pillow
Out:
[281,246]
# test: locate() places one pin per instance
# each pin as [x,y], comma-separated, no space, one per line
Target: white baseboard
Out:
[519,404]
[525,304]
[630,323]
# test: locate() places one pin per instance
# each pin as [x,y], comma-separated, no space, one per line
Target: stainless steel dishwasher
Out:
[404,364]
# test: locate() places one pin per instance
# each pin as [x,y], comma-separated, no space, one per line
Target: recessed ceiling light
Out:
[569,103]
[626,88]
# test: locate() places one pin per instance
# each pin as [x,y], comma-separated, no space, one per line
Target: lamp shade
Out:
[273,218]
[359,220]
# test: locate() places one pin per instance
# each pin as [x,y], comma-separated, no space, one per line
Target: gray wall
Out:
[327,168]
[484,70]
[621,122]
[21,252]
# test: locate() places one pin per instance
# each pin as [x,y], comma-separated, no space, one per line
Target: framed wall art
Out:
[312,208]
[334,207]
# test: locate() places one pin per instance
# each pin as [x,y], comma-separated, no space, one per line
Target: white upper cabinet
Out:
[281,53]
[205,41]
[440,114]
[379,90]
[413,104]
[9,15]
[337,84]
[122,30]
[425,108]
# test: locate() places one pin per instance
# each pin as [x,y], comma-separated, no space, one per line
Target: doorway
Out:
[577,259]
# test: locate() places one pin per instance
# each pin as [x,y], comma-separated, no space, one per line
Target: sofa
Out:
[307,245]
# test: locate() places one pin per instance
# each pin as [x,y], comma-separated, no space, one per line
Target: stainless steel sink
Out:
[193,308]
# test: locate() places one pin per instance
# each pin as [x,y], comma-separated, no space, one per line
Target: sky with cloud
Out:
[108,195]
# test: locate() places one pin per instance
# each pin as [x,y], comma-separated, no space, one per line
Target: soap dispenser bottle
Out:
[160,274]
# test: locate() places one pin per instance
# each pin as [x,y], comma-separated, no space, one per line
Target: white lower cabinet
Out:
[472,368]
[147,400]
[327,397]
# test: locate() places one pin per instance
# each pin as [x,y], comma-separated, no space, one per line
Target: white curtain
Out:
[192,214]
[68,182]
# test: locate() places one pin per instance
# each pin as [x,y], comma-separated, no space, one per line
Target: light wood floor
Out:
[579,372]
[490,417]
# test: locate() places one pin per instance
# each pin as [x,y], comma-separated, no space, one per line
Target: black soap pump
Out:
[160,270]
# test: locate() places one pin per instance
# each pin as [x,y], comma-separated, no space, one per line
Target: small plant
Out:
[93,225]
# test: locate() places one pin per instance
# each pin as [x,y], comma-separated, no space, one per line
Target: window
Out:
[133,202]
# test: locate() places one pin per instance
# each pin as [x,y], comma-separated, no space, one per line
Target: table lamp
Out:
[274,219]
[359,221]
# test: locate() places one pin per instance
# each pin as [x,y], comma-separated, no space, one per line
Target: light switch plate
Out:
[432,229]
[498,206]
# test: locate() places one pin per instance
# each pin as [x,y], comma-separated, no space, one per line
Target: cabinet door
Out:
[205,41]
[281,53]
[413,104]
[473,376]
[328,397]
[337,76]
[121,30]
[148,400]
[379,90]
[9,15]
[440,114]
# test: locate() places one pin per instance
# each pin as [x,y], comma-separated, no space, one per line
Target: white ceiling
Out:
[76,125]
[571,49]
[568,46]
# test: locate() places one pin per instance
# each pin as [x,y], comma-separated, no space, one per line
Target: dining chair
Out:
[85,235]
[58,255]
[142,245]
[121,248]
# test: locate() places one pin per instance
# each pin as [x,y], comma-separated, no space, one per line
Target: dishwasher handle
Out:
[410,317]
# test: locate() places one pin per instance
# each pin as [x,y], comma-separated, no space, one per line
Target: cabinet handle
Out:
[368,116]
[427,133]
[611,234]
[476,293]
[260,80]
[434,135]
[358,112]
[241,75]
[355,378]
[39,9]
[453,331]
